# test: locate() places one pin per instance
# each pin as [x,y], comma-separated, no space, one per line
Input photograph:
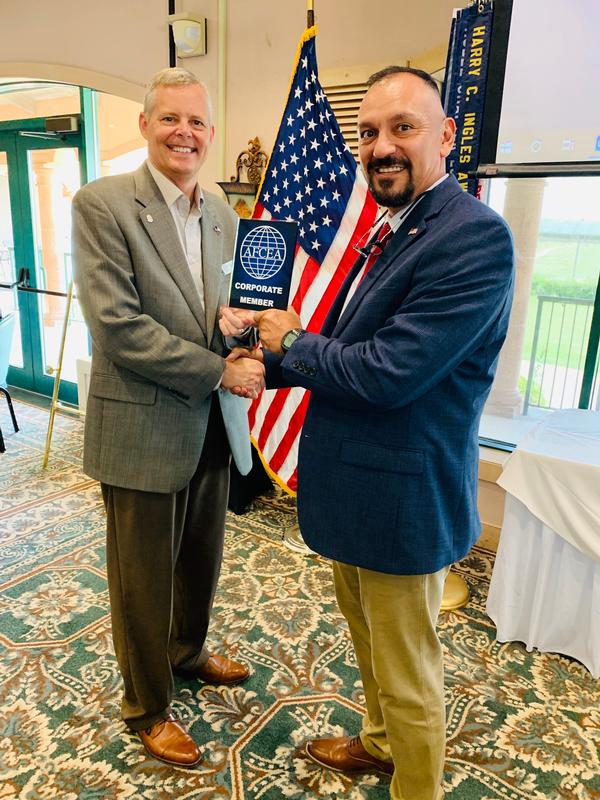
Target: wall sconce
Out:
[240,194]
[189,33]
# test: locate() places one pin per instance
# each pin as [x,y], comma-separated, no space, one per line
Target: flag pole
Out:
[310,13]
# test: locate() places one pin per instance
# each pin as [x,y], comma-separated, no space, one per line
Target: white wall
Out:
[116,46]
[354,39]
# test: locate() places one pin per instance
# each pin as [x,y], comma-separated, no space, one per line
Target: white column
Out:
[522,211]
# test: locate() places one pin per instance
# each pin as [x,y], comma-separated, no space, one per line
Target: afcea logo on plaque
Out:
[262,264]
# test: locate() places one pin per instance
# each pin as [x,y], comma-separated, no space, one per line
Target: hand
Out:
[243,352]
[233,321]
[244,377]
[273,324]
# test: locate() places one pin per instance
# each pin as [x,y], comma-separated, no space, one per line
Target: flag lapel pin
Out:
[412,231]
[149,218]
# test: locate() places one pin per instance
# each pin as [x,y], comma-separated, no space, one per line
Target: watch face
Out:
[289,339]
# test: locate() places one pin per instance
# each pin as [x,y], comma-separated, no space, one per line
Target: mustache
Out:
[387,161]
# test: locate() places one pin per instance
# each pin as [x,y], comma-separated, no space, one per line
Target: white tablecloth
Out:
[545,592]
[545,587]
[555,472]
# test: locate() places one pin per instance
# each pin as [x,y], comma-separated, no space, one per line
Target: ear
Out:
[212,133]
[143,124]
[448,134]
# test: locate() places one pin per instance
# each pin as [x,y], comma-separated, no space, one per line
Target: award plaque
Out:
[262,264]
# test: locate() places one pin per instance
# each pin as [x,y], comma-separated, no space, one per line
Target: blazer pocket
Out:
[382,459]
[111,387]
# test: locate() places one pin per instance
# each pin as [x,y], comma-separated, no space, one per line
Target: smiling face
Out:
[404,139]
[179,132]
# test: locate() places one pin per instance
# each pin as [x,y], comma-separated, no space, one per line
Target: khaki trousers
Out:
[392,620]
[163,560]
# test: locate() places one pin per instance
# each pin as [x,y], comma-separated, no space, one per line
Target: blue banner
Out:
[262,264]
[464,87]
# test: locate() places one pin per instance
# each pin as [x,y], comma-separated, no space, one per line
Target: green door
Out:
[39,174]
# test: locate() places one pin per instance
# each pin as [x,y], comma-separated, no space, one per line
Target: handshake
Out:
[244,372]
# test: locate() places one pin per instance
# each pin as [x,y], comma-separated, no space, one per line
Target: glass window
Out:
[8,298]
[28,100]
[53,181]
[122,147]
[556,227]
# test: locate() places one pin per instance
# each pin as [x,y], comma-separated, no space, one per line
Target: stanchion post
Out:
[57,374]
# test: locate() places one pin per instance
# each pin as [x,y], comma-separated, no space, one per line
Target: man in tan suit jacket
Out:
[160,425]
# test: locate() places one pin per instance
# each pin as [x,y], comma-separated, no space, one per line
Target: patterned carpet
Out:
[520,725]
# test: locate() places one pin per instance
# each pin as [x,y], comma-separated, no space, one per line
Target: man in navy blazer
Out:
[387,466]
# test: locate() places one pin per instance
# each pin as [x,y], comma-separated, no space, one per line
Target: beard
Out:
[383,193]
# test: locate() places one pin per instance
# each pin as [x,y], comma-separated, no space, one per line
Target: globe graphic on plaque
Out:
[262,252]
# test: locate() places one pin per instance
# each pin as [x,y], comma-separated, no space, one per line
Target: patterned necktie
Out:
[384,234]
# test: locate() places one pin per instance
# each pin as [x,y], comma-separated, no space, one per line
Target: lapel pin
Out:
[412,231]
[149,218]
[216,229]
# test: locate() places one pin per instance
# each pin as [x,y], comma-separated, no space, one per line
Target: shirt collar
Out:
[172,193]
[396,219]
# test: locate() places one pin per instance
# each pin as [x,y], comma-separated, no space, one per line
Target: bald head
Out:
[404,135]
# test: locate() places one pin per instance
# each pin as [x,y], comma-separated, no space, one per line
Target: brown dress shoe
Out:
[218,670]
[168,741]
[345,754]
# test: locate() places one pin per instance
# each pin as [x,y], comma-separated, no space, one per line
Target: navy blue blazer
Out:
[388,456]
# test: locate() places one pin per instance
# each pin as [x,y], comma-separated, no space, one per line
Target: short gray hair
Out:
[174,76]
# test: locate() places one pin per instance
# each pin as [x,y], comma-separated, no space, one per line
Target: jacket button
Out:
[295,364]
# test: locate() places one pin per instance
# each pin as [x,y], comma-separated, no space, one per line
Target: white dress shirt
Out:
[187,221]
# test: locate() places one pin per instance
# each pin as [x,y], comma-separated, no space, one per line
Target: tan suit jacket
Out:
[157,355]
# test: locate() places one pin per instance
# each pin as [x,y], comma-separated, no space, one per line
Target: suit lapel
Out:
[160,227]
[333,315]
[413,228]
[212,259]
[399,243]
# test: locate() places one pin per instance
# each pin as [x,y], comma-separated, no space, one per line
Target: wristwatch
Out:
[288,339]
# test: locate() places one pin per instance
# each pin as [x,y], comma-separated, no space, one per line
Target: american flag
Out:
[312,179]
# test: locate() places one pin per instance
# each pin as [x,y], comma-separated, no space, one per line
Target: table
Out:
[545,587]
